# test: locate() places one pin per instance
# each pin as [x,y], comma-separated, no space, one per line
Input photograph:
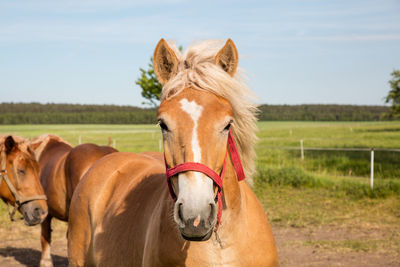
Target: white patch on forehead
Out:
[194,110]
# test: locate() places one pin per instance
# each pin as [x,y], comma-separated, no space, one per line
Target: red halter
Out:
[218,179]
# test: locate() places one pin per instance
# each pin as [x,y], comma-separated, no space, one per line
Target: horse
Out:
[190,206]
[61,168]
[19,180]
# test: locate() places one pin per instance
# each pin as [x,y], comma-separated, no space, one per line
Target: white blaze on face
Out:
[194,112]
[198,191]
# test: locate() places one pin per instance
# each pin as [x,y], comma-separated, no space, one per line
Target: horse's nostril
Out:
[180,212]
[212,214]
[178,216]
[38,212]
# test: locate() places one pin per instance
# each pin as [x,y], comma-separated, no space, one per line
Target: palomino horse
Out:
[128,211]
[61,168]
[19,180]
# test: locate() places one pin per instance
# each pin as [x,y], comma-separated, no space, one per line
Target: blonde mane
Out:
[40,142]
[197,70]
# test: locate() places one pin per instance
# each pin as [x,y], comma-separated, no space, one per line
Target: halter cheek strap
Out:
[218,179]
[235,157]
[19,200]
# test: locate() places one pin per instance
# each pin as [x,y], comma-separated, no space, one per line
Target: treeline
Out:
[322,113]
[36,113]
[43,108]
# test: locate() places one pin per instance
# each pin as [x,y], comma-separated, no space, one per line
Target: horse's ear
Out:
[227,58]
[165,62]
[9,143]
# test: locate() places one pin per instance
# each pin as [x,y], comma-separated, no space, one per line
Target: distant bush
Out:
[292,176]
[351,187]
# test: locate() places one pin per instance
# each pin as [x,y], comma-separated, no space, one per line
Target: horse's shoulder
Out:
[264,249]
[112,178]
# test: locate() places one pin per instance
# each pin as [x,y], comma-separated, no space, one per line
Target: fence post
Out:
[80,140]
[159,145]
[301,149]
[115,143]
[372,169]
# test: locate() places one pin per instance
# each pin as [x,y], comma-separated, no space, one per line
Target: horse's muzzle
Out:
[195,227]
[33,213]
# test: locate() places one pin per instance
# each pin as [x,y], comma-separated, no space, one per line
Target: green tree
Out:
[151,87]
[394,95]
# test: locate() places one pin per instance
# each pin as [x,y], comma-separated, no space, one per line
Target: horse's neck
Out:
[53,149]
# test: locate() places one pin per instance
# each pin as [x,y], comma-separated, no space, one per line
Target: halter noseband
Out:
[19,200]
[218,179]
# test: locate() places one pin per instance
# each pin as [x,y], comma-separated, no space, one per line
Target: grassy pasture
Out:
[314,206]
[273,137]
[278,151]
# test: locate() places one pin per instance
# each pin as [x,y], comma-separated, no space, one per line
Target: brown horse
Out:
[19,180]
[61,168]
[122,213]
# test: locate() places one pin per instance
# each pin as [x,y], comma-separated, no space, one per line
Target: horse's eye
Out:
[21,171]
[163,126]
[228,126]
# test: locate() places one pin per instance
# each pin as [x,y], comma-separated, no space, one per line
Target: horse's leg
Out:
[45,240]
[79,235]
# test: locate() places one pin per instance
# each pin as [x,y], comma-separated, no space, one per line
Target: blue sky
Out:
[294,52]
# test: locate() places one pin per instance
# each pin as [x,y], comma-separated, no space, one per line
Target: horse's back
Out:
[79,160]
[99,211]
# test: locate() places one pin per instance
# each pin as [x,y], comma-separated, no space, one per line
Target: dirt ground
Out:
[20,246]
[304,247]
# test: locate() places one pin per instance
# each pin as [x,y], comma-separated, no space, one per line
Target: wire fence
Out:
[301,148]
[372,150]
[330,148]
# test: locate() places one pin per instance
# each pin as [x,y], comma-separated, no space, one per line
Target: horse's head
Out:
[20,185]
[195,126]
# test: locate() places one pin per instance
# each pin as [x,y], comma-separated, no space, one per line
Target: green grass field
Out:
[326,193]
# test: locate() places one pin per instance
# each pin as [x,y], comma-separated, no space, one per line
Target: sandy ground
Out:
[20,246]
